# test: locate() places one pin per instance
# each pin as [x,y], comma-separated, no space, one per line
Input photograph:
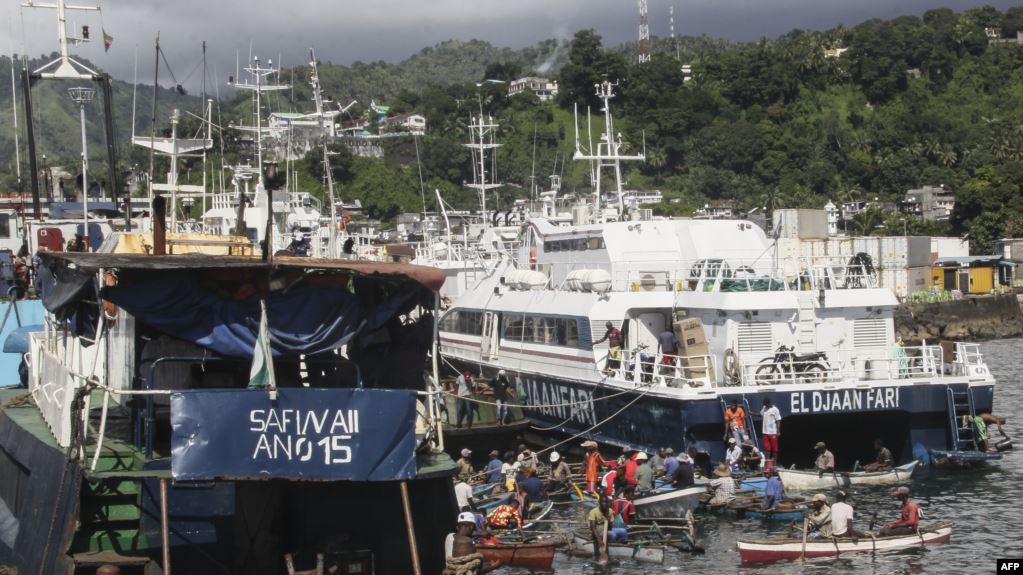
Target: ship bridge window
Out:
[5,225]
[462,321]
[545,330]
[577,244]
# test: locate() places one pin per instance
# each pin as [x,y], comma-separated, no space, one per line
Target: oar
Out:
[802,553]
[603,548]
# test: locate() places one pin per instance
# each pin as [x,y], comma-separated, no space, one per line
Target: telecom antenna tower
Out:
[644,34]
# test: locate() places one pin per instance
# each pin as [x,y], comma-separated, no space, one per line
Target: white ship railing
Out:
[910,362]
[639,367]
[59,362]
[724,275]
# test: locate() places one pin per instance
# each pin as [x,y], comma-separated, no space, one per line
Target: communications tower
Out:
[644,34]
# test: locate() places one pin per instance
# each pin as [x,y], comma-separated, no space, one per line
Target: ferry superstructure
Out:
[538,313]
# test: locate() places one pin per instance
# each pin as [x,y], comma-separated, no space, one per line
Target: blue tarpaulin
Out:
[305,319]
[311,434]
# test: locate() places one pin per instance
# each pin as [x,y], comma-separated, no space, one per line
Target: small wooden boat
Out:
[482,490]
[788,548]
[781,514]
[639,550]
[669,501]
[800,480]
[533,555]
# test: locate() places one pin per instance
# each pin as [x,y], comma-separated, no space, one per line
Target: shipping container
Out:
[840,247]
[803,224]
[949,247]
[788,248]
[904,281]
[901,252]
[870,245]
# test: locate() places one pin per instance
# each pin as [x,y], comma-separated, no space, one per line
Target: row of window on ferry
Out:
[547,330]
[575,244]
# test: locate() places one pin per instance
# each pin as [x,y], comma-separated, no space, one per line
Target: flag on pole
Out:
[107,41]
[261,376]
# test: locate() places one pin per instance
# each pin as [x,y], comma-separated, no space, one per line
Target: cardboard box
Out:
[689,333]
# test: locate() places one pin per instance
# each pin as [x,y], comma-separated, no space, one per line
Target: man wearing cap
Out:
[500,387]
[561,475]
[460,552]
[525,457]
[493,468]
[750,458]
[909,522]
[733,454]
[825,462]
[842,519]
[820,519]
[464,388]
[463,494]
[735,422]
[644,474]
[592,464]
[465,465]
[670,463]
[722,486]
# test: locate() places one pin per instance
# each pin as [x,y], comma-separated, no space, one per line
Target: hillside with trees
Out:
[846,114]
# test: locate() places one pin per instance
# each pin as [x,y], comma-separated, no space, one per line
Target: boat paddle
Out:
[603,548]
[802,553]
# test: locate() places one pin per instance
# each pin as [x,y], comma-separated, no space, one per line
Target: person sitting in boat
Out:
[493,468]
[884,460]
[825,462]
[592,465]
[842,519]
[909,522]
[532,486]
[819,521]
[774,492]
[735,422]
[623,514]
[722,486]
[461,557]
[750,457]
[671,464]
[657,462]
[644,474]
[612,482]
[614,339]
[733,454]
[465,465]
[509,469]
[561,475]
[507,516]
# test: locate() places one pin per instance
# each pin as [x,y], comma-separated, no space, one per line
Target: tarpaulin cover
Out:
[30,479]
[305,319]
[70,295]
[311,434]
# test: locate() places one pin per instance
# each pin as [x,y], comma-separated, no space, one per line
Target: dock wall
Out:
[972,318]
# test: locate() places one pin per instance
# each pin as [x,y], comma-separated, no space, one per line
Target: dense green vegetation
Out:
[783,122]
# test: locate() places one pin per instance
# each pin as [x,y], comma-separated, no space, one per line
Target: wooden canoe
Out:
[535,555]
[789,548]
[641,550]
[800,480]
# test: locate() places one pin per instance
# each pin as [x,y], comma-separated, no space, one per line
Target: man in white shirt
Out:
[464,387]
[733,454]
[771,429]
[463,495]
[842,518]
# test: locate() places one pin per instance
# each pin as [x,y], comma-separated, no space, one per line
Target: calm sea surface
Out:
[984,503]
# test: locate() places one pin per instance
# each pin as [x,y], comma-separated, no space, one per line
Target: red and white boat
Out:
[788,548]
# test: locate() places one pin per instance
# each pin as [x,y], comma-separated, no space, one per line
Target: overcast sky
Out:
[343,31]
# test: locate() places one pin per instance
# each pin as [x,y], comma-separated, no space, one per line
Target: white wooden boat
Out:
[641,550]
[669,502]
[807,480]
[788,548]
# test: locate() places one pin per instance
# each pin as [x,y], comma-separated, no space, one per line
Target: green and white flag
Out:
[261,375]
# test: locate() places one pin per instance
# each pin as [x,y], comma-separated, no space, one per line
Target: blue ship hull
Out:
[911,419]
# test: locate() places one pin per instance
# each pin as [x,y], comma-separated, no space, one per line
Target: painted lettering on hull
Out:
[874,399]
[558,401]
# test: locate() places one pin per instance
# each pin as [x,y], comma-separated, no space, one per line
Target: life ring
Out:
[733,375]
[109,309]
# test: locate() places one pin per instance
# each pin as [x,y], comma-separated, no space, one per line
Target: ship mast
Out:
[608,151]
[482,142]
[314,80]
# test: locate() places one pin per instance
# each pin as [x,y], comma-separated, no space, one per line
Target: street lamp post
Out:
[83,95]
